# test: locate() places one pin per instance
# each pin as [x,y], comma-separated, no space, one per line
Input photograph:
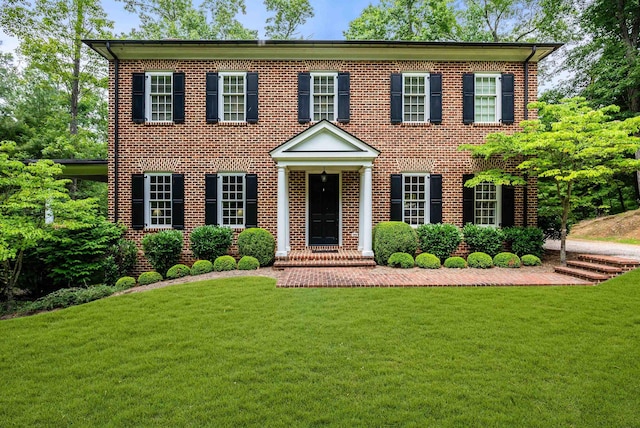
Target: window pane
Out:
[486,97]
[160,98]
[323,97]
[232,200]
[159,200]
[414,88]
[486,204]
[233,98]
[415,199]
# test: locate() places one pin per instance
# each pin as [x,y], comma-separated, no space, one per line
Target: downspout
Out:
[116,127]
[525,207]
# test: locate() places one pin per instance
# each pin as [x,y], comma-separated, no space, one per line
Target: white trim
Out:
[427,95]
[147,200]
[498,221]
[498,106]
[335,94]
[147,95]
[427,194]
[221,94]
[220,204]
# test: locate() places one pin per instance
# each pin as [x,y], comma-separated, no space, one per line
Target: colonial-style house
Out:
[316,141]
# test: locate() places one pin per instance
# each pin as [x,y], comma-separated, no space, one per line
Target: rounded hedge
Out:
[507,260]
[401,260]
[248,263]
[393,237]
[125,283]
[201,266]
[480,260]
[455,262]
[259,243]
[428,261]
[178,271]
[530,260]
[147,278]
[224,263]
[439,239]
[210,242]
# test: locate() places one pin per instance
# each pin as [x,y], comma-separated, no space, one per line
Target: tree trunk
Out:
[75,82]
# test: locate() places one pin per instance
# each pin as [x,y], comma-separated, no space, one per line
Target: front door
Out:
[324,212]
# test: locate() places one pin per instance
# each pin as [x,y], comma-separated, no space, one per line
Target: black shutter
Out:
[396,98]
[178,97]
[435,195]
[508,206]
[468,98]
[343,97]
[137,101]
[137,201]
[435,108]
[251,197]
[507,99]
[304,97]
[177,201]
[396,197]
[212,98]
[252,97]
[467,201]
[211,199]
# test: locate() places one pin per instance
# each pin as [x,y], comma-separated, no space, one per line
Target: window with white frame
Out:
[232,200]
[415,199]
[414,97]
[487,207]
[158,200]
[487,98]
[159,93]
[324,91]
[233,96]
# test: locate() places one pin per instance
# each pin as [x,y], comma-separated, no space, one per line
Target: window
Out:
[232,200]
[233,93]
[158,209]
[324,92]
[159,97]
[415,199]
[487,101]
[414,95]
[486,205]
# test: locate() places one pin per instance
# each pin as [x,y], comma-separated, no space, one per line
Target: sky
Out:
[331,18]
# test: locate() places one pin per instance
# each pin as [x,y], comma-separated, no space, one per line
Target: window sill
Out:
[221,123]
[164,123]
[154,228]
[415,124]
[487,124]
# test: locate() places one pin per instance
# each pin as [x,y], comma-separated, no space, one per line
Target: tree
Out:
[289,15]
[570,145]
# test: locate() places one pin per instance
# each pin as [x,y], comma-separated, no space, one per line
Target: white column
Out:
[367,204]
[361,212]
[286,224]
[282,212]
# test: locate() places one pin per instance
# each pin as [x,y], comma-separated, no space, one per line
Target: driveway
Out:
[596,247]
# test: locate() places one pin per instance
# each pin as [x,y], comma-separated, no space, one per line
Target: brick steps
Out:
[323,257]
[597,268]
[582,274]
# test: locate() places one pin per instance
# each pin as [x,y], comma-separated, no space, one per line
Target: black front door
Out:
[324,212]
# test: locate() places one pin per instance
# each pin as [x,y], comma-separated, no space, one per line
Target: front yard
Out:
[238,351]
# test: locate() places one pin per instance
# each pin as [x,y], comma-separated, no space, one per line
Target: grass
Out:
[239,352]
[631,241]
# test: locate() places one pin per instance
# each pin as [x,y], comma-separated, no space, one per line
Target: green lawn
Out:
[239,352]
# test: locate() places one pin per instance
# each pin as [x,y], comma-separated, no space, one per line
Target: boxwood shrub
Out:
[439,239]
[480,260]
[484,239]
[393,237]
[248,263]
[401,260]
[125,283]
[428,261]
[201,266]
[224,263]
[455,262]
[525,240]
[530,260]
[151,277]
[178,271]
[163,249]
[66,297]
[259,243]
[210,242]
[507,260]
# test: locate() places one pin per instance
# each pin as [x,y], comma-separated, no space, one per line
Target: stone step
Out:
[596,267]
[581,273]
[624,263]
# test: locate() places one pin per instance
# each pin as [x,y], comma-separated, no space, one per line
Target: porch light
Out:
[323,176]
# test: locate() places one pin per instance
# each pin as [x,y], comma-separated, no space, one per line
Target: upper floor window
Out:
[415,106]
[488,98]
[487,102]
[232,96]
[415,199]
[323,98]
[158,97]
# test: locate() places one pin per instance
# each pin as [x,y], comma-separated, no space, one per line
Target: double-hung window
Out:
[415,199]
[232,200]
[487,206]
[159,91]
[232,98]
[158,97]
[324,90]
[487,99]
[158,207]
[415,92]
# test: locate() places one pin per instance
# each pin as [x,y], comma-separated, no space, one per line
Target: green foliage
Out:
[439,239]
[289,15]
[178,271]
[530,260]
[427,261]
[507,260]
[210,242]
[480,260]
[401,260]
[525,240]
[259,243]
[224,263]
[163,249]
[248,263]
[66,297]
[455,262]
[120,260]
[483,239]
[393,237]
[125,283]
[151,277]
[201,266]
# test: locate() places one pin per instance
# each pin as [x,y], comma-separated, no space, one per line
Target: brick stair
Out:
[323,257]
[597,268]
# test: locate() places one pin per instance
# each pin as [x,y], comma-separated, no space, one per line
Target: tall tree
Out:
[289,15]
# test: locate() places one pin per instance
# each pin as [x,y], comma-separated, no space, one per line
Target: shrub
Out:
[525,240]
[439,239]
[224,263]
[248,263]
[201,266]
[121,259]
[95,292]
[530,260]
[259,243]
[401,260]
[484,239]
[147,278]
[178,271]
[210,242]
[66,297]
[480,260]
[455,262]
[125,283]
[163,249]
[507,260]
[393,237]
[428,261]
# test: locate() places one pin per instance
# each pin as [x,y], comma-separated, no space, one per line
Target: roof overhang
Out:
[93,170]
[369,50]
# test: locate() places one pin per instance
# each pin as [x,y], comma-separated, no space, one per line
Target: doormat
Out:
[324,251]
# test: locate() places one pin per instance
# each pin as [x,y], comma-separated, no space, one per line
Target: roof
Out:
[372,50]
